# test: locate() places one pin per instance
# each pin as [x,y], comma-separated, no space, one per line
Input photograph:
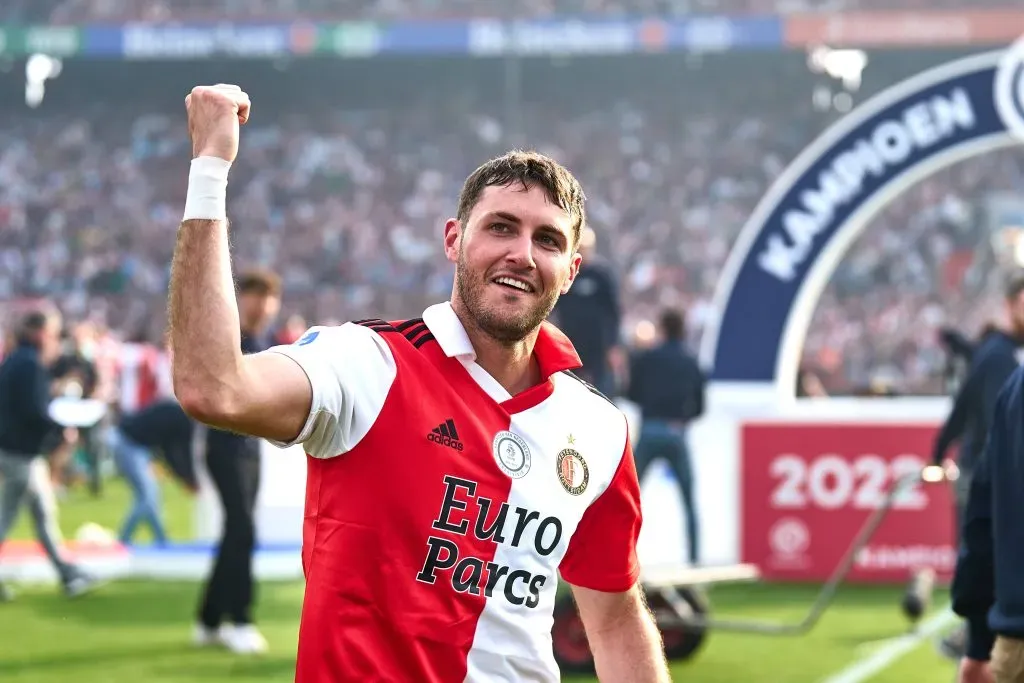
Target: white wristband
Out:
[207,196]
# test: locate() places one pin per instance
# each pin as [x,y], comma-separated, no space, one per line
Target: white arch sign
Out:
[803,226]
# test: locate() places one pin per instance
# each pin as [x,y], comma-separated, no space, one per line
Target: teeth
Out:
[513,283]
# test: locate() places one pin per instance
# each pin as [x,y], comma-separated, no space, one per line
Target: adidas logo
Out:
[445,434]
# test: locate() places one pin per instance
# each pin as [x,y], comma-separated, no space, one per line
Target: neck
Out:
[511,364]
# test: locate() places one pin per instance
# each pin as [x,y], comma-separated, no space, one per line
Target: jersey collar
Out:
[554,351]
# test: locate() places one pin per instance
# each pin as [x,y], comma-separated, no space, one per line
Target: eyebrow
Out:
[512,218]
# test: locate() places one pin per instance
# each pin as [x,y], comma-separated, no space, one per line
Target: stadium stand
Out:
[69,11]
[345,190]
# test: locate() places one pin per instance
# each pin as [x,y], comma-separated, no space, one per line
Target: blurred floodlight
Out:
[844,65]
[34,91]
[39,68]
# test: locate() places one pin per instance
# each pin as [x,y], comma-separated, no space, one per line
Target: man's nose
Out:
[521,252]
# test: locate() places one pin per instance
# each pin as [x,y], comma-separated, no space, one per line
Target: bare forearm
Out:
[631,652]
[205,330]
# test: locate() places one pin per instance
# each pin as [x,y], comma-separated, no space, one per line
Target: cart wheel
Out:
[680,642]
[569,640]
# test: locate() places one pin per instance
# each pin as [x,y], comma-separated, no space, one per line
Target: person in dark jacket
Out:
[233,462]
[161,427]
[77,371]
[590,316]
[988,585]
[668,385]
[27,435]
[992,360]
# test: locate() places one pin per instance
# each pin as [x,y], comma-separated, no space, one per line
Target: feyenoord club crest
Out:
[512,454]
[572,470]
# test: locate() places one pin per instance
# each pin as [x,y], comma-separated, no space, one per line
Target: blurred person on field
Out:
[667,384]
[233,461]
[992,360]
[161,428]
[27,434]
[76,376]
[140,362]
[589,314]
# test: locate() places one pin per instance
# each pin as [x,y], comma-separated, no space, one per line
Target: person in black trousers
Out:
[992,360]
[667,385]
[988,584]
[27,435]
[233,462]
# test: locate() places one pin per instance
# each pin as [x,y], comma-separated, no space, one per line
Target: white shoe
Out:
[203,636]
[244,639]
[80,584]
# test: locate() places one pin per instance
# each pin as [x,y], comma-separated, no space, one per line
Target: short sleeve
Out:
[602,553]
[351,369]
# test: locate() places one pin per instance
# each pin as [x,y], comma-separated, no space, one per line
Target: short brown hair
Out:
[261,282]
[1014,286]
[527,168]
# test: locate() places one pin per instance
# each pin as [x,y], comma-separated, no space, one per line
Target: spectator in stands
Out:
[667,385]
[27,434]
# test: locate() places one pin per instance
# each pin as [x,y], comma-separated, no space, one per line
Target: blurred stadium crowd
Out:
[67,11]
[346,198]
[348,171]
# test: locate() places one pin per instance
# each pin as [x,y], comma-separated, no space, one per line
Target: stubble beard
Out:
[505,327]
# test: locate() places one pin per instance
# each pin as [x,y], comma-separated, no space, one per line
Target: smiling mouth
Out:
[513,283]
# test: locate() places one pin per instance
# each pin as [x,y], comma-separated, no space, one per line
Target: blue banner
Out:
[468,37]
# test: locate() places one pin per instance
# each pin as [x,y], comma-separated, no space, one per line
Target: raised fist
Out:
[214,114]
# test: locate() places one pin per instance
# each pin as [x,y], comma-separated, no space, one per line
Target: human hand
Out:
[974,671]
[214,116]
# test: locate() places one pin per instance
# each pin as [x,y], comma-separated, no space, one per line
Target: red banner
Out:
[808,488]
[921,28]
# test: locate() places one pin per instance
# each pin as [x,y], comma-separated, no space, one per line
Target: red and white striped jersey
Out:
[139,380]
[440,510]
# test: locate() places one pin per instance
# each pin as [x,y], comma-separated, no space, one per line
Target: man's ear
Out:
[574,269]
[452,239]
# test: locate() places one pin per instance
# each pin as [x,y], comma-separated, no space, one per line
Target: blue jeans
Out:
[660,439]
[134,461]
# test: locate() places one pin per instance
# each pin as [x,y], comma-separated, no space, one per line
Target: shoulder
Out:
[599,413]
[354,352]
[1012,388]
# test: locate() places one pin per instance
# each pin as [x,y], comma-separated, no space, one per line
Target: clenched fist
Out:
[214,114]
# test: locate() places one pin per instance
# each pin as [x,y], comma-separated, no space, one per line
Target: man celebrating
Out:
[455,467]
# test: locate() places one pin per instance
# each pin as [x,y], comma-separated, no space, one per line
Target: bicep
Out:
[276,398]
[323,392]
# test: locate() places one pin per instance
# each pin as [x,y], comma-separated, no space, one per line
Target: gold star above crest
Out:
[571,439]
